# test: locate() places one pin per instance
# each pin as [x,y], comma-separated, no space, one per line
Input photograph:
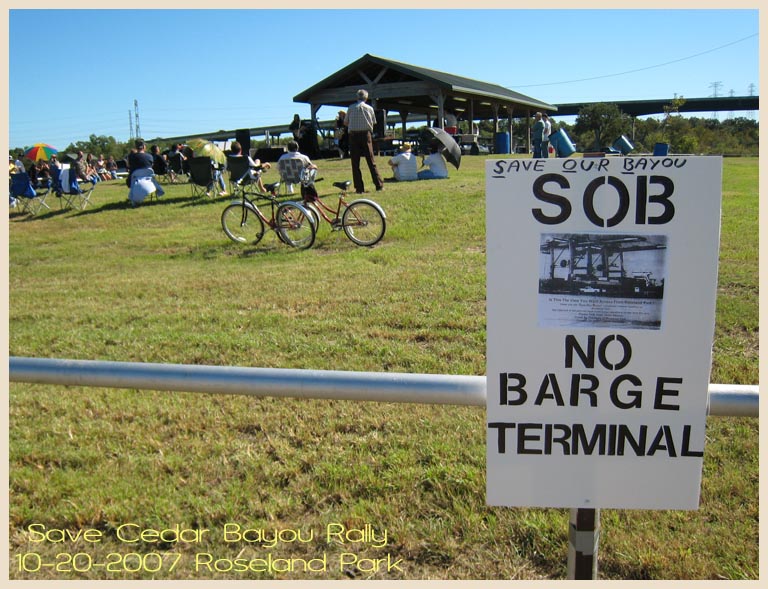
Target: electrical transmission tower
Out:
[136,110]
[715,93]
[751,90]
[130,123]
[731,93]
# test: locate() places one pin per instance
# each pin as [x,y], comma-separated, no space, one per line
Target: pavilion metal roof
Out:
[402,87]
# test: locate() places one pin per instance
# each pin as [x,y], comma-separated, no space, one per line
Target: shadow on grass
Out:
[230,250]
[198,201]
[26,217]
[126,204]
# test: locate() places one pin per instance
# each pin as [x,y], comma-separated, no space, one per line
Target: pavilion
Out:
[413,90]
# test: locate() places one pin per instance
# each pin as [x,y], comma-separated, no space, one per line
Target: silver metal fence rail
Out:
[725,400]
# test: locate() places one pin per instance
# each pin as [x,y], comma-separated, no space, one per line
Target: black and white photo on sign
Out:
[601,280]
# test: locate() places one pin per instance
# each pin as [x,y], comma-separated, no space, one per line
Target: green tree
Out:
[100,144]
[669,110]
[599,123]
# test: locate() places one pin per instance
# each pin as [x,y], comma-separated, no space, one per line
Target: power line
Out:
[650,67]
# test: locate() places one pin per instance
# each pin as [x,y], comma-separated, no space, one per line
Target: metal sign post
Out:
[583,543]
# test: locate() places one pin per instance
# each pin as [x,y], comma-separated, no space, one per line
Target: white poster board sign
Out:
[601,288]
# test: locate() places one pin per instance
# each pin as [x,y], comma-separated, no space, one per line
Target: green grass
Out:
[161,283]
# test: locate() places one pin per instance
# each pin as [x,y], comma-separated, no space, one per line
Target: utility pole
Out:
[136,110]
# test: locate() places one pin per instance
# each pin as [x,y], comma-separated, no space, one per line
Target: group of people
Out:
[359,122]
[404,165]
[39,172]
[354,134]
[541,130]
[90,169]
[86,167]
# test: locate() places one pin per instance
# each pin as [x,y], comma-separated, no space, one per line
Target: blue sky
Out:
[193,71]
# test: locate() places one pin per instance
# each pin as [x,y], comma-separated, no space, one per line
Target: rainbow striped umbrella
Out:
[40,151]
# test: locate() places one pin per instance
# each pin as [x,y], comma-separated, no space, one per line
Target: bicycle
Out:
[243,221]
[363,220]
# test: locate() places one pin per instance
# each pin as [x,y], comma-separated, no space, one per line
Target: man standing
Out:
[545,137]
[538,133]
[360,121]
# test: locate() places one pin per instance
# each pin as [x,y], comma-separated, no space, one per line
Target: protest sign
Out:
[601,287]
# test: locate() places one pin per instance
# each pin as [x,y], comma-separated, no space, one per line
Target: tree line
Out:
[596,127]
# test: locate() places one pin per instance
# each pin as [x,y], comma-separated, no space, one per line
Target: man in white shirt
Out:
[545,137]
[404,164]
[294,154]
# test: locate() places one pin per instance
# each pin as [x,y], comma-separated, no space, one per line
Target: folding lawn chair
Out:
[175,165]
[201,178]
[290,172]
[239,176]
[162,170]
[31,200]
[67,187]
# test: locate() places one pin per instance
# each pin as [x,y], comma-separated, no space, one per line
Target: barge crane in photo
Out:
[594,265]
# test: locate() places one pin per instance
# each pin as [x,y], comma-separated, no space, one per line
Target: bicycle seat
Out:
[342,185]
[272,187]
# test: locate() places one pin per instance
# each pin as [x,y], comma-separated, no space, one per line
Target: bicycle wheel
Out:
[294,225]
[364,223]
[242,224]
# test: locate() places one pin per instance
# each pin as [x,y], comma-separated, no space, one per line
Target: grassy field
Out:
[161,283]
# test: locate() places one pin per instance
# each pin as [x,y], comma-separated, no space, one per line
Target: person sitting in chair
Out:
[404,164]
[254,166]
[141,176]
[159,163]
[112,167]
[82,171]
[294,153]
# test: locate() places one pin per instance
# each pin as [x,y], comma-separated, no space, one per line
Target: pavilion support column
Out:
[439,99]
[495,107]
[404,120]
[528,127]
[313,110]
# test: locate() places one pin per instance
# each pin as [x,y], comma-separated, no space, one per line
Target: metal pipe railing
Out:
[728,399]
